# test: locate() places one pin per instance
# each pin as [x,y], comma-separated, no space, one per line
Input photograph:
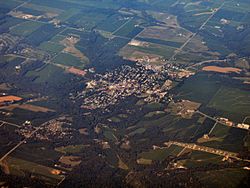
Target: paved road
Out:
[247,117]
[196,147]
[13,124]
[1,124]
[216,120]
[18,145]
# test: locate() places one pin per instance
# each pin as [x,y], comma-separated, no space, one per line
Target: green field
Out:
[199,88]
[137,131]
[48,73]
[231,101]
[109,135]
[229,177]
[10,4]
[161,154]
[53,48]
[152,48]
[71,149]
[226,138]
[68,14]
[129,29]
[198,158]
[68,60]
[20,167]
[25,28]
[37,152]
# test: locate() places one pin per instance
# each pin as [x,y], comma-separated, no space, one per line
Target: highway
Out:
[216,120]
[18,145]
[196,147]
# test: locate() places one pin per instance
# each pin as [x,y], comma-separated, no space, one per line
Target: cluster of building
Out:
[52,130]
[230,123]
[110,88]
[26,129]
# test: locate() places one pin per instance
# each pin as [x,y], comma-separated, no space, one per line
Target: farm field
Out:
[231,101]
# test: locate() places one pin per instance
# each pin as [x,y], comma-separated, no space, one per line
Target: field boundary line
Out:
[13,124]
[195,34]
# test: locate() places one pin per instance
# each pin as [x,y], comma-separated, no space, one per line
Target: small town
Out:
[140,81]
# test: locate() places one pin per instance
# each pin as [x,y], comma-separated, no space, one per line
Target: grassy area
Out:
[19,167]
[68,14]
[199,88]
[231,101]
[152,48]
[112,23]
[51,47]
[231,177]
[37,152]
[198,158]
[226,138]
[161,154]
[129,29]
[154,106]
[25,28]
[10,4]
[115,119]
[48,73]
[155,113]
[169,34]
[57,38]
[68,60]
[137,131]
[71,149]
[109,135]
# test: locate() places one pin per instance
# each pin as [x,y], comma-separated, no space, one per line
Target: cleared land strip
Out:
[194,34]
[196,147]
[122,25]
[5,122]
[18,145]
